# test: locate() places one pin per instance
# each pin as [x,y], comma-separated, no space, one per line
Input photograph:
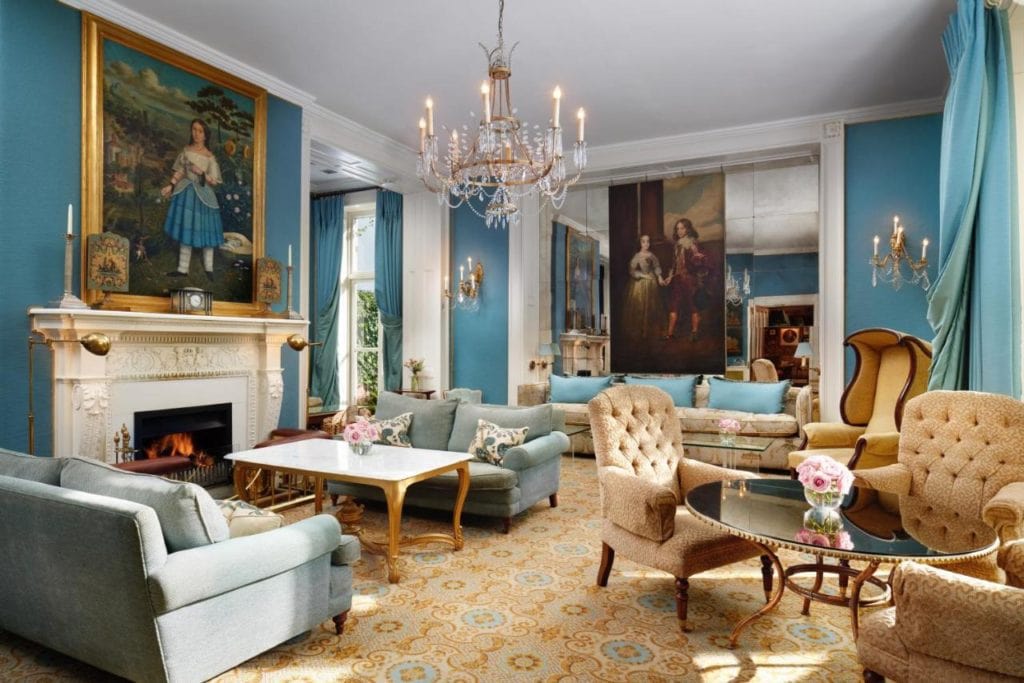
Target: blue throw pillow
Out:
[679,388]
[748,397]
[577,389]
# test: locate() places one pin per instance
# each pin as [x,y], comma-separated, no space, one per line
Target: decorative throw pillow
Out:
[245,520]
[492,442]
[395,432]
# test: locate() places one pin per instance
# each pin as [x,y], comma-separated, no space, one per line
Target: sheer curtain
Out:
[974,306]
[388,283]
[327,215]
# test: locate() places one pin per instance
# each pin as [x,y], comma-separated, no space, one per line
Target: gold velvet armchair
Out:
[947,627]
[643,478]
[891,369]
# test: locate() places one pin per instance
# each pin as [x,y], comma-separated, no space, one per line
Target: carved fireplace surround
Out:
[159,361]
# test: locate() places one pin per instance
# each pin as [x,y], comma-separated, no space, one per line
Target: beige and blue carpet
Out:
[524,607]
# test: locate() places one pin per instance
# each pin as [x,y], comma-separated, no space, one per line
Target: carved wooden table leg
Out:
[858,583]
[770,605]
[460,500]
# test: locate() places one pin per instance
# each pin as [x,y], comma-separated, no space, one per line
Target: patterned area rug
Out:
[525,607]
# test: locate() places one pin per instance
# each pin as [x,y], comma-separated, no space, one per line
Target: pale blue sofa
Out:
[157,591]
[529,474]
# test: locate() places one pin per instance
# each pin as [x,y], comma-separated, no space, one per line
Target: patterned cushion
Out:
[245,520]
[395,432]
[492,441]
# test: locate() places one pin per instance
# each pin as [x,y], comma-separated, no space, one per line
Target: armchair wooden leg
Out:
[844,580]
[339,622]
[553,499]
[766,576]
[872,677]
[607,558]
[682,601]
[334,499]
[506,525]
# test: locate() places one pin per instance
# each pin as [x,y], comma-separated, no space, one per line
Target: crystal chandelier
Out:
[733,293]
[507,160]
[890,267]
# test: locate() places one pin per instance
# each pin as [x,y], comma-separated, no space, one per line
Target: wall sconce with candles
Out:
[467,293]
[890,267]
[95,343]
[543,351]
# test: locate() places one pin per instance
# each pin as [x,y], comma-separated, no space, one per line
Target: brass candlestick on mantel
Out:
[68,299]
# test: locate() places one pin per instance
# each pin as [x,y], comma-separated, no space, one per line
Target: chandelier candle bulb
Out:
[423,134]
[462,273]
[558,103]
[895,223]
[924,248]
[485,94]
[876,245]
[70,221]
[430,117]
[581,117]
[289,256]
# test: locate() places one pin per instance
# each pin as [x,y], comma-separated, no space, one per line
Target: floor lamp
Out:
[95,343]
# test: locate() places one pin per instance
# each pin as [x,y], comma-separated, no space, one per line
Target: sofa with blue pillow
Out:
[765,409]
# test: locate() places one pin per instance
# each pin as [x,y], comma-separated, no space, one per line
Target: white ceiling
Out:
[642,70]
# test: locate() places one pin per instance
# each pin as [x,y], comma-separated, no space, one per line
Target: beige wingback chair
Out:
[891,369]
[962,449]
[947,627]
[643,478]
[763,370]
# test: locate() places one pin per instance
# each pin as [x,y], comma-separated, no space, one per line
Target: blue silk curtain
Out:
[388,283]
[328,230]
[974,306]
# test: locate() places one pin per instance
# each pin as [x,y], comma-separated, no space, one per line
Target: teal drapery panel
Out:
[388,283]
[974,306]
[327,215]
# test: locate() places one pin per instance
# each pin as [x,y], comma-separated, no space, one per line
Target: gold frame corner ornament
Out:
[94,32]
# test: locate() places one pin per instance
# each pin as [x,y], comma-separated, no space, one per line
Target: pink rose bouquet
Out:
[839,541]
[727,424]
[361,431]
[822,474]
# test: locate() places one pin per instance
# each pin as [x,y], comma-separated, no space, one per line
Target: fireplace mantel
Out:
[160,360]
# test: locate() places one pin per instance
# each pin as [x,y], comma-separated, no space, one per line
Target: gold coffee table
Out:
[389,468]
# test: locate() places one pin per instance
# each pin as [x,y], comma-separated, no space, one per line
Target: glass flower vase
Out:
[823,520]
[830,499]
[726,438]
[414,382]
[361,447]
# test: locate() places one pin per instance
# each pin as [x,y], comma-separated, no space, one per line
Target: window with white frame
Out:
[364,320]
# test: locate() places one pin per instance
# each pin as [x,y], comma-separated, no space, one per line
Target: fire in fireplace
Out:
[202,434]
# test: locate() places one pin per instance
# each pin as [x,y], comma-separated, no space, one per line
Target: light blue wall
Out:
[40,151]
[480,339]
[892,168]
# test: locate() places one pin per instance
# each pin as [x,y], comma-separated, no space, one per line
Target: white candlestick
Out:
[462,273]
[430,117]
[69,220]
[581,116]
[485,93]
[557,104]
[423,134]
[289,256]
[876,245]
[895,223]
[924,248]
[470,261]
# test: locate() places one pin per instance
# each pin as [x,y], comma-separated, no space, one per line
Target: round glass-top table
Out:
[869,526]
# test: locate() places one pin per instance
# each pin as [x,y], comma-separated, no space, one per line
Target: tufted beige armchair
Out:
[962,448]
[763,370]
[643,478]
[920,639]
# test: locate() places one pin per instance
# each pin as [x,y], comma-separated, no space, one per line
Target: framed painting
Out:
[667,286]
[173,161]
[581,255]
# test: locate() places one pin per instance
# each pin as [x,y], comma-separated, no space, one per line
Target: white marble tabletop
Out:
[330,456]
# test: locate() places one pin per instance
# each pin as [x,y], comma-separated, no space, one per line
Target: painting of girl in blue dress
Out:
[193,218]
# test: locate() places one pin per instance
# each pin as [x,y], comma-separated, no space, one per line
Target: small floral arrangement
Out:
[727,424]
[839,541]
[415,365]
[822,474]
[361,431]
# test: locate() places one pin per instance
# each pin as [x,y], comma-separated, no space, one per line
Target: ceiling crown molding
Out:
[741,140]
[343,133]
[122,16]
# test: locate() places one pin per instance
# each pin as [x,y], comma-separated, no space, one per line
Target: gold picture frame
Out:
[139,132]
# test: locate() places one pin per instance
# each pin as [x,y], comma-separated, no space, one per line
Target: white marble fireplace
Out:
[160,361]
